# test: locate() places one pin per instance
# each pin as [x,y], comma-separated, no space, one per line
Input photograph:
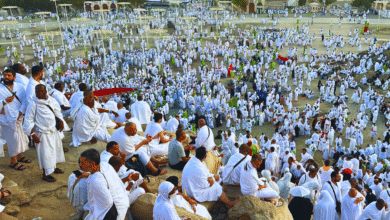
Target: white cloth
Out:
[104,189]
[372,212]
[42,120]
[30,93]
[89,124]
[121,115]
[172,124]
[285,186]
[164,209]
[76,99]
[350,210]
[202,211]
[77,194]
[194,181]
[152,129]
[231,175]
[22,80]
[141,110]
[325,207]
[205,138]
[127,145]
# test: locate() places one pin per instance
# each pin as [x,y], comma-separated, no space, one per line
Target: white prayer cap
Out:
[299,191]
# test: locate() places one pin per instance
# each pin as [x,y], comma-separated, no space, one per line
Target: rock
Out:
[23,198]
[10,184]
[142,209]
[213,162]
[62,193]
[250,207]
[12,210]
[4,216]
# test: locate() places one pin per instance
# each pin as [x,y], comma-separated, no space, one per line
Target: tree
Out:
[329,2]
[365,4]
[301,2]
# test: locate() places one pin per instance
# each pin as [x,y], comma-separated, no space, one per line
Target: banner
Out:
[104,92]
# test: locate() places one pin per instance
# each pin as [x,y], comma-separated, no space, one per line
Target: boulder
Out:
[213,162]
[142,209]
[12,210]
[62,193]
[4,216]
[23,197]
[250,207]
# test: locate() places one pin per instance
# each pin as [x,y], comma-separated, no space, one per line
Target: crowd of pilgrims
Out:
[352,183]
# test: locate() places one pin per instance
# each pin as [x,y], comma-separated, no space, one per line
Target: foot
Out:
[17,166]
[24,160]
[49,178]
[5,194]
[58,171]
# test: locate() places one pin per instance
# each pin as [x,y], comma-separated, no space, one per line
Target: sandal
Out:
[24,160]
[58,171]
[21,167]
[278,204]
[49,178]
[5,191]
[158,173]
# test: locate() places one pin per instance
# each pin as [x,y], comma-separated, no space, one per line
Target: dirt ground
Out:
[32,197]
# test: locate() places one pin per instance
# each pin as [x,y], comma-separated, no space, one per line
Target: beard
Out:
[8,82]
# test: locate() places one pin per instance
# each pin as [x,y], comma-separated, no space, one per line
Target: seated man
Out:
[134,182]
[77,190]
[176,152]
[133,144]
[205,136]
[159,143]
[200,184]
[173,123]
[135,120]
[232,170]
[89,125]
[186,202]
[251,183]
[121,113]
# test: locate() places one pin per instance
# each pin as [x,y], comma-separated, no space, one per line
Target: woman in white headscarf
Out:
[284,185]
[325,207]
[164,209]
[267,175]
[297,172]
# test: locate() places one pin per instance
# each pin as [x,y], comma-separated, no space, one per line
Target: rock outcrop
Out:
[142,209]
[250,207]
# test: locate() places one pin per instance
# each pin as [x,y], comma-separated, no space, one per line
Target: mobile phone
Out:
[77,173]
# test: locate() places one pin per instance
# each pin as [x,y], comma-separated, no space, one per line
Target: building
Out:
[91,6]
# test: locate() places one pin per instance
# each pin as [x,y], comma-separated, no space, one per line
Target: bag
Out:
[134,163]
[58,120]
[338,204]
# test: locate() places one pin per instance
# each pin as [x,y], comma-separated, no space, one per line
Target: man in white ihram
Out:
[12,95]
[232,172]
[251,183]
[40,124]
[173,123]
[107,197]
[141,110]
[89,125]
[205,136]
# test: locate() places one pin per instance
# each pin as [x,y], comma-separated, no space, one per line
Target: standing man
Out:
[21,72]
[141,110]
[40,124]
[12,95]
[374,131]
[36,77]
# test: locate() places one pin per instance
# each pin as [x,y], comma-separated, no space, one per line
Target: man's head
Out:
[256,161]
[380,203]
[59,86]
[40,91]
[158,117]
[113,147]
[352,193]
[290,160]
[130,129]
[89,160]
[128,115]
[174,180]
[89,98]
[244,149]
[105,99]
[354,182]
[119,105]
[201,123]
[272,149]
[335,176]
[9,77]
[140,97]
[201,153]
[19,68]
[180,135]
[177,117]
[37,72]
[115,162]
[304,150]
[229,133]
[83,87]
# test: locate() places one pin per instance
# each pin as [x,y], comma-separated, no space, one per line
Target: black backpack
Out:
[134,163]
